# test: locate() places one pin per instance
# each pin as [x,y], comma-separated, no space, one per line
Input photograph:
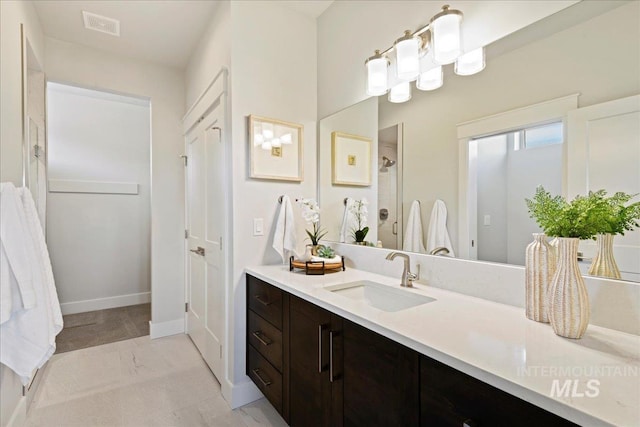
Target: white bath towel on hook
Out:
[284,237]
[413,235]
[438,236]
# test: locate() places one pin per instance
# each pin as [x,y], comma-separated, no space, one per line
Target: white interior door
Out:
[603,152]
[205,225]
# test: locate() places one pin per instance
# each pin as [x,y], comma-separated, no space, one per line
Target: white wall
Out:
[164,86]
[212,52]
[12,14]
[349,32]
[271,53]
[359,119]
[99,243]
[273,74]
[575,60]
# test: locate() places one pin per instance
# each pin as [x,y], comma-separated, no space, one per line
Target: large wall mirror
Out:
[557,105]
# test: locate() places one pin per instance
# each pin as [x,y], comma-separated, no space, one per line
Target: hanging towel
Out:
[15,262]
[284,238]
[346,220]
[27,338]
[413,237]
[438,235]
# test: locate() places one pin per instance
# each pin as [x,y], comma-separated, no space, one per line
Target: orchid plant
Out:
[359,211]
[311,214]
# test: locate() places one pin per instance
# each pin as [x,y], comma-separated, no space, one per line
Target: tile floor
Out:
[138,382]
[93,328]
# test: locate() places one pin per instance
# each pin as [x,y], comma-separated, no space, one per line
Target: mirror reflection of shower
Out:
[389,215]
[386,164]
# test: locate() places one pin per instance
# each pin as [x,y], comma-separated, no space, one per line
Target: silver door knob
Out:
[198,251]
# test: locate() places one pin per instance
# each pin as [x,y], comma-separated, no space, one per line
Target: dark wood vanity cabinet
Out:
[314,383]
[380,380]
[268,342]
[318,369]
[451,398]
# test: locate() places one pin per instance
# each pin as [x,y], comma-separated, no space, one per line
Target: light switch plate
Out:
[258,227]
[487,220]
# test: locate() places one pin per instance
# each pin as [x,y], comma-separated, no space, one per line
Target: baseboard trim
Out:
[19,416]
[164,329]
[104,303]
[238,395]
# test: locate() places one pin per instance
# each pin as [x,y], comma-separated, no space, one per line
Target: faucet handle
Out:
[414,276]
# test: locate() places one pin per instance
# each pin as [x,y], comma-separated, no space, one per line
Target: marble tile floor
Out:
[138,382]
[99,327]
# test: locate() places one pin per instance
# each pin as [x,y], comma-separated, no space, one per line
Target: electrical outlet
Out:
[258,227]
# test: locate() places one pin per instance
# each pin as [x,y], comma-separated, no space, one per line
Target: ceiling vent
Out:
[101,23]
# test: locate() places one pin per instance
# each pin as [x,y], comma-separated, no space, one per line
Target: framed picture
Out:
[275,149]
[351,159]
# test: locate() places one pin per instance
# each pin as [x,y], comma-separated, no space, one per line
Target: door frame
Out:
[540,113]
[214,96]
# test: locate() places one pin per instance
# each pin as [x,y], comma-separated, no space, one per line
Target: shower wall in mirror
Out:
[561,59]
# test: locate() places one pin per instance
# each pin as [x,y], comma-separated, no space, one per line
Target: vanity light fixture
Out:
[470,63]
[419,56]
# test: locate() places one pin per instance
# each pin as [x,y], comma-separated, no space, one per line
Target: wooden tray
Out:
[315,267]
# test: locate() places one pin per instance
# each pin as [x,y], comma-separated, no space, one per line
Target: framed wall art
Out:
[275,149]
[350,159]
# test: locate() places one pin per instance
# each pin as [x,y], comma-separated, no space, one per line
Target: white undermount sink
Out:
[380,296]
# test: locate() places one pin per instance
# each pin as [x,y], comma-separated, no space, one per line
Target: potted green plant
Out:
[568,301]
[311,214]
[617,218]
[359,211]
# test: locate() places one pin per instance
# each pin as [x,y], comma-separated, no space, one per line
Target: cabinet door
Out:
[310,385]
[380,380]
[452,398]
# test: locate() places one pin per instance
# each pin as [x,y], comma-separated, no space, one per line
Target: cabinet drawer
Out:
[451,398]
[265,300]
[265,338]
[265,376]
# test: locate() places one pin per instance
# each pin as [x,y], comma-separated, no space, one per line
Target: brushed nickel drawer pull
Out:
[320,328]
[264,382]
[260,336]
[261,301]
[331,356]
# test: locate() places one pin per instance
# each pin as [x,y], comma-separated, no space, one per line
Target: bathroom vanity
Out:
[353,348]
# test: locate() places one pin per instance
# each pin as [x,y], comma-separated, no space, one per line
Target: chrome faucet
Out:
[407,276]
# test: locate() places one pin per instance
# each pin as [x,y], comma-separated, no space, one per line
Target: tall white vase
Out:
[540,265]
[568,301]
[604,264]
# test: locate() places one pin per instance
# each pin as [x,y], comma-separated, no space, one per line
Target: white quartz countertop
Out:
[495,343]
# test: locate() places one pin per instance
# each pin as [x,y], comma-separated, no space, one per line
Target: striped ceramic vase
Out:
[604,264]
[540,264]
[568,300]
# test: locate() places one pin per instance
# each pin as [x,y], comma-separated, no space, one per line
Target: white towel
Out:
[413,237]
[438,235]
[284,238]
[15,263]
[27,338]
[346,220]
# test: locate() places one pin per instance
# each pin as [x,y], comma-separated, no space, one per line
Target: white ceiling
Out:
[164,32]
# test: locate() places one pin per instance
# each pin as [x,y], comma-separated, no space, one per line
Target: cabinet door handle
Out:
[262,301]
[331,356]
[264,382]
[260,336]
[320,329]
